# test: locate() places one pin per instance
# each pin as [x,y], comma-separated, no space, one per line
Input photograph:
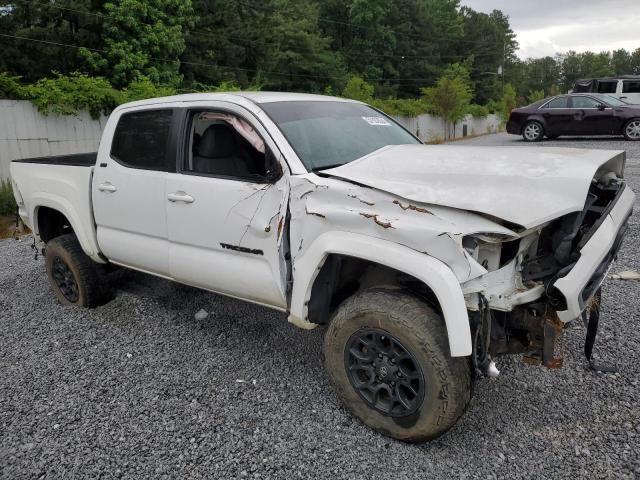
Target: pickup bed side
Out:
[57,187]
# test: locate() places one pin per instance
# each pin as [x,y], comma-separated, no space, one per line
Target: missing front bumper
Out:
[572,292]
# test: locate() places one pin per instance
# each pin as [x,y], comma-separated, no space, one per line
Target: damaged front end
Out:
[546,277]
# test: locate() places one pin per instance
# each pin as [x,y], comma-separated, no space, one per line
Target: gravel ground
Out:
[140,389]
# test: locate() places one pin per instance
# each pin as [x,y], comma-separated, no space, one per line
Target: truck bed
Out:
[61,183]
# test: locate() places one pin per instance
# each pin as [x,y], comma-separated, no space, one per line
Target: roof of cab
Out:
[255,97]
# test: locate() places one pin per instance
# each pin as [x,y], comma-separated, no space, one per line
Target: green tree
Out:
[276,44]
[141,38]
[539,74]
[488,38]
[621,62]
[451,96]
[508,101]
[43,28]
[535,95]
[635,62]
[358,89]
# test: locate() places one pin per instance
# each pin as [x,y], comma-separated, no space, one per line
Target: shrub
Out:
[7,202]
[142,88]
[401,107]
[508,101]
[451,96]
[535,95]
[10,87]
[69,94]
[358,89]
[477,111]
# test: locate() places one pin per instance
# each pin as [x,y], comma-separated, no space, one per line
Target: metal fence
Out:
[27,133]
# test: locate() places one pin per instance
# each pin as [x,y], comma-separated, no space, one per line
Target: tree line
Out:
[397,48]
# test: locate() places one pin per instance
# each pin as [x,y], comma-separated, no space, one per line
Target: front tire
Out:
[387,355]
[631,130]
[74,277]
[533,132]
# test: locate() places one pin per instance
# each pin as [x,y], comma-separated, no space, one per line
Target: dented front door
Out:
[226,236]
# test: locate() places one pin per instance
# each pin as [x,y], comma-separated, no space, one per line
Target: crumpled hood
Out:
[527,186]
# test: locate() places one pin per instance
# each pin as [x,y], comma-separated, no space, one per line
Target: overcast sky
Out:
[546,27]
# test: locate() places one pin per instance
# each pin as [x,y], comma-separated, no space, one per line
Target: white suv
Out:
[624,87]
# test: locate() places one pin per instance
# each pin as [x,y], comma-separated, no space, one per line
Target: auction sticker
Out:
[377,121]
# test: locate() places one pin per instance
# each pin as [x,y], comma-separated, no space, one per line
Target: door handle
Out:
[622,98]
[107,187]
[180,197]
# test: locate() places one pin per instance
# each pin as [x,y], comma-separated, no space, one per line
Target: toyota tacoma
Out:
[424,263]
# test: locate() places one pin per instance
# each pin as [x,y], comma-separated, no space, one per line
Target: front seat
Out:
[217,152]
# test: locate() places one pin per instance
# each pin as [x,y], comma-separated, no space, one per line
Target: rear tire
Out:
[74,277]
[532,131]
[387,355]
[631,130]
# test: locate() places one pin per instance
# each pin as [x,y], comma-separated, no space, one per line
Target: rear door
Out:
[129,190]
[559,116]
[630,91]
[226,208]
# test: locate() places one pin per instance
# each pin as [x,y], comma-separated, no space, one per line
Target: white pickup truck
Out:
[423,262]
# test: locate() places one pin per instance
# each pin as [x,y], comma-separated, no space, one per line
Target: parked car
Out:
[575,114]
[623,87]
[423,262]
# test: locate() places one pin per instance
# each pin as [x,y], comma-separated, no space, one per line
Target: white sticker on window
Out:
[378,121]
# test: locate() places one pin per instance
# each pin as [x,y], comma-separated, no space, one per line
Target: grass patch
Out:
[7,202]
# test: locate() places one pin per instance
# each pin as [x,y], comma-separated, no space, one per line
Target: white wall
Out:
[429,128]
[26,133]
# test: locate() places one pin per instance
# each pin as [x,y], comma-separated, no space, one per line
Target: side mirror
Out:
[601,107]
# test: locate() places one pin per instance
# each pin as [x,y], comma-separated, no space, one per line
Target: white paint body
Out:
[404,207]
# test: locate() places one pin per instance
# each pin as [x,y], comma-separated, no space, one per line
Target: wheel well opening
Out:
[341,276]
[52,224]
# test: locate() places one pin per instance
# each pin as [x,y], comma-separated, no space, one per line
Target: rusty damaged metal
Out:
[412,207]
[377,220]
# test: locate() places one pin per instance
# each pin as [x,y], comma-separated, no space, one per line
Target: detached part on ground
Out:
[424,263]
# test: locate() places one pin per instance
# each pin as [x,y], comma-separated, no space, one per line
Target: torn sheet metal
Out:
[323,204]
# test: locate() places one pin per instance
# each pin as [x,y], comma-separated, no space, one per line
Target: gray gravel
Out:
[141,389]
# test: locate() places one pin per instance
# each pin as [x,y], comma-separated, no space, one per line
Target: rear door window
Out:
[631,86]
[559,102]
[141,139]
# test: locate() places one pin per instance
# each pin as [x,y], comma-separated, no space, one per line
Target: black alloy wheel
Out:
[384,373]
[64,279]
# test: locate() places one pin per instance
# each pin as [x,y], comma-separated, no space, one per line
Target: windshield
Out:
[329,134]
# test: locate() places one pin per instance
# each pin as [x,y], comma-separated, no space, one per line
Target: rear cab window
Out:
[141,140]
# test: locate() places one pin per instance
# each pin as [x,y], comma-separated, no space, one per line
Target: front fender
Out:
[435,274]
